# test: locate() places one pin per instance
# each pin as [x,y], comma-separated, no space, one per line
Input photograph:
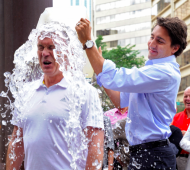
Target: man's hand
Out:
[83,29]
[100,51]
[183,132]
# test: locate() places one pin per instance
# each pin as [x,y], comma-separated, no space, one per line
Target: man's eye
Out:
[160,41]
[40,48]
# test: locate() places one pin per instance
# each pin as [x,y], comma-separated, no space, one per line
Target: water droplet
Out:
[4,122]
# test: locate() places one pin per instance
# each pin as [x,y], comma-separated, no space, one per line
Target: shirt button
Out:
[47,92]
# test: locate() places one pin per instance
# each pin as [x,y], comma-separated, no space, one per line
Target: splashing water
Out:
[68,54]
[135,164]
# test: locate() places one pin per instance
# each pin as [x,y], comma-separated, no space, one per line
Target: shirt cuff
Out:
[107,66]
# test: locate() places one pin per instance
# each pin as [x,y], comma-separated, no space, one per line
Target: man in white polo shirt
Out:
[53,124]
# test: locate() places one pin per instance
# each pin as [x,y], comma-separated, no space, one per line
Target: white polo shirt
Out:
[44,121]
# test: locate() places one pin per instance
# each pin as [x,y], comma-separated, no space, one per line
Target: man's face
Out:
[46,58]
[186,98]
[159,45]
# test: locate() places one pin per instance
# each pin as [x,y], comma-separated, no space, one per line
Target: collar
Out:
[185,111]
[40,83]
[161,60]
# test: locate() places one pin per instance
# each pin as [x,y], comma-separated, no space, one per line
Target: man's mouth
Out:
[153,51]
[46,62]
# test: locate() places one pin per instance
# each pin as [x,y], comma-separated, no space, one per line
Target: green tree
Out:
[122,57]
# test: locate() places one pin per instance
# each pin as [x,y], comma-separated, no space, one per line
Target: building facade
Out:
[123,22]
[87,3]
[180,9]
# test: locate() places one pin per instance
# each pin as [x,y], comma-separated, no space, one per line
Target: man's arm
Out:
[17,148]
[84,34]
[110,159]
[95,148]
[114,97]
[183,132]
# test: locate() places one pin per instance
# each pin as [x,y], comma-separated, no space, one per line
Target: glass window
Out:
[127,41]
[131,14]
[138,40]
[113,43]
[108,44]
[183,10]
[85,3]
[132,41]
[162,4]
[77,2]
[144,39]
[128,28]
[184,58]
[121,42]
[118,4]
[185,82]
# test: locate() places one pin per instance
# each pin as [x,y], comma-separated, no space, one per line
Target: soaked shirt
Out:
[150,92]
[44,126]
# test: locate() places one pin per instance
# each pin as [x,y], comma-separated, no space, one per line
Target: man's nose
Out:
[45,52]
[152,43]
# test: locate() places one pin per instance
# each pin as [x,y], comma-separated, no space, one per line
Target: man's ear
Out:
[175,48]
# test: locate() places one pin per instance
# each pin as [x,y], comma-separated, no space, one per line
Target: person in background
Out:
[108,145]
[182,121]
[175,139]
[185,144]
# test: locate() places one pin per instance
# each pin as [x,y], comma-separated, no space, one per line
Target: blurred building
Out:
[123,22]
[87,3]
[180,9]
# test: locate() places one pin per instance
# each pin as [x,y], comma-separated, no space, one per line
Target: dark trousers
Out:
[161,157]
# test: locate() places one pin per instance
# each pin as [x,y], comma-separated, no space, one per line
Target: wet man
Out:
[150,92]
[44,129]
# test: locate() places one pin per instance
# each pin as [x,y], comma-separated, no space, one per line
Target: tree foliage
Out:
[122,57]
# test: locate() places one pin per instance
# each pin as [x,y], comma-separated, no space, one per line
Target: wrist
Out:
[88,44]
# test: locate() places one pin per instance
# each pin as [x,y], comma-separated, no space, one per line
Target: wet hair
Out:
[177,30]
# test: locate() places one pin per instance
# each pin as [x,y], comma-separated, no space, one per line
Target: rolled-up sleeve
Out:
[148,79]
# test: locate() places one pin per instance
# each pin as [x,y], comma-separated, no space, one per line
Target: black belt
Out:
[184,155]
[149,145]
